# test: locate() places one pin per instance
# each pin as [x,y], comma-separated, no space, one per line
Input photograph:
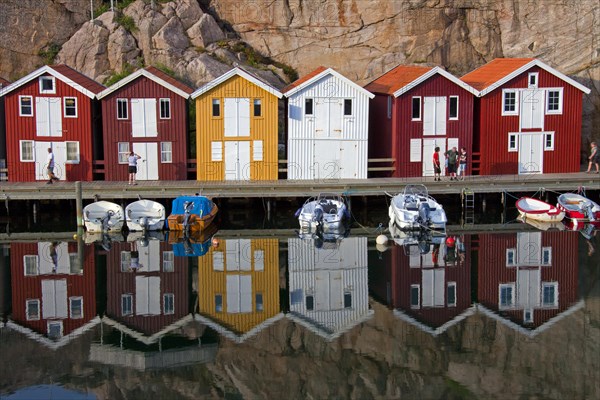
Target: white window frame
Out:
[55,323]
[216,151]
[164,152]
[172,309]
[71,301]
[450,117]
[418,305]
[73,161]
[215,102]
[21,106]
[516,146]
[510,112]
[527,316]
[451,284]
[39,311]
[125,159]
[47,78]
[32,143]
[129,297]
[536,79]
[167,101]
[168,261]
[512,299]
[126,102]
[36,263]
[548,251]
[257,102]
[351,108]
[511,254]
[548,147]
[65,107]
[312,107]
[555,286]
[125,261]
[257,150]
[420,117]
[560,101]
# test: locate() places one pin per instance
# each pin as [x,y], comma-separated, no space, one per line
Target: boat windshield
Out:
[418,190]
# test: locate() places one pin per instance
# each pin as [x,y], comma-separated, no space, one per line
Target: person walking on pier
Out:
[50,167]
[132,159]
[462,163]
[594,158]
[437,170]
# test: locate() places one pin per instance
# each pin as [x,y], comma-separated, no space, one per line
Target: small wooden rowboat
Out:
[539,210]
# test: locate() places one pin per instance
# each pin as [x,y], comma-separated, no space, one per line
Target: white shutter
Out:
[141,295]
[54,299]
[42,116]
[230,117]
[257,150]
[246,293]
[245,254]
[233,294]
[243,117]
[429,116]
[138,118]
[154,295]
[218,258]
[415,150]
[55,113]
[62,308]
[232,254]
[216,151]
[150,112]
[440,115]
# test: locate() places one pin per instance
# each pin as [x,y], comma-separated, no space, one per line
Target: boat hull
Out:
[145,215]
[538,210]
[411,219]
[201,212]
[103,216]
[195,223]
[324,215]
[579,209]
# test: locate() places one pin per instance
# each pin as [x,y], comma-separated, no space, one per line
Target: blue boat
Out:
[191,213]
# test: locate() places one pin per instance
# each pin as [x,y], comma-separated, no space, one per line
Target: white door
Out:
[54,299]
[328,116]
[532,109]
[434,115]
[433,293]
[149,256]
[236,114]
[528,288]
[147,295]
[237,160]
[531,151]
[326,162]
[328,290]
[148,164]
[48,116]
[59,149]
[429,146]
[239,294]
[143,118]
[349,160]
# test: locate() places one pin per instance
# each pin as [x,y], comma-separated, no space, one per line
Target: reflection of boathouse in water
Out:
[328,284]
[528,280]
[427,282]
[53,294]
[238,289]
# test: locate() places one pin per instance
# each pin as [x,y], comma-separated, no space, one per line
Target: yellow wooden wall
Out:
[211,283]
[209,129]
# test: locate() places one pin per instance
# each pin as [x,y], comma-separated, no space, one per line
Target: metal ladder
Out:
[468,197]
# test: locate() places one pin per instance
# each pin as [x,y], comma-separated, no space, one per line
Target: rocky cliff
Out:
[200,39]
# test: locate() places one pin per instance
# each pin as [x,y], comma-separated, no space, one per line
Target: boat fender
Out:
[381,239]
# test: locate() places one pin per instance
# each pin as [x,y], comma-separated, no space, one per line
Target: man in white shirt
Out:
[50,167]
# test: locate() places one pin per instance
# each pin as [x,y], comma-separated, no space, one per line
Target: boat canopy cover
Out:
[202,205]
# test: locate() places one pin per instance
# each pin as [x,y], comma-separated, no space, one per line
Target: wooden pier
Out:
[293,189]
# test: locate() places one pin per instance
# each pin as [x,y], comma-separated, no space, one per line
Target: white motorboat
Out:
[415,209]
[326,213]
[531,208]
[145,215]
[103,216]
[579,209]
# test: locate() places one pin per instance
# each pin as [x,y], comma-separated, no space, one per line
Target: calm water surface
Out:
[254,310]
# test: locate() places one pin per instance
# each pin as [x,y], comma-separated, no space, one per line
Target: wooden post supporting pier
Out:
[79,203]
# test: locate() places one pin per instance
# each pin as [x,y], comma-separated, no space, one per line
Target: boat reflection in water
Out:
[328,284]
[238,286]
[53,296]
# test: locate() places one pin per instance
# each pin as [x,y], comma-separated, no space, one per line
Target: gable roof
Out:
[403,78]
[241,73]
[501,70]
[64,73]
[155,75]
[314,76]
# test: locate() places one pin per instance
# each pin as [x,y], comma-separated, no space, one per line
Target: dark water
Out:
[501,310]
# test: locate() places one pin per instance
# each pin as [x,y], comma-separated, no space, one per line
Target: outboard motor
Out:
[188,206]
[318,215]
[144,222]
[106,219]
[424,246]
[424,213]
[589,212]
